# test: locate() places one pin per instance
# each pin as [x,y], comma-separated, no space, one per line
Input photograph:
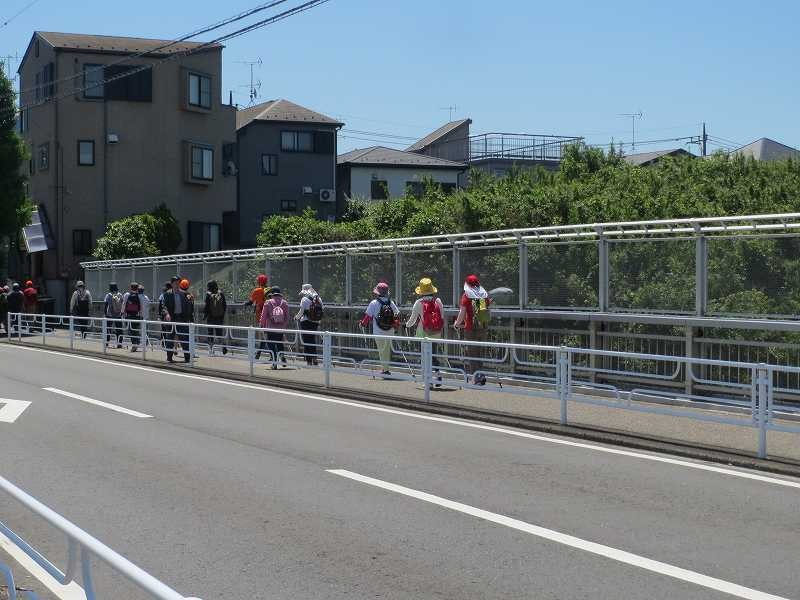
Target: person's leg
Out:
[315,342]
[183,336]
[384,345]
[308,341]
[272,345]
[134,333]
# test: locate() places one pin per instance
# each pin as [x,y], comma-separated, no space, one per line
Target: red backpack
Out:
[432,321]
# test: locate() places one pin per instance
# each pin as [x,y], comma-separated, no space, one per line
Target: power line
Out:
[378,134]
[239,32]
[18,13]
[170,43]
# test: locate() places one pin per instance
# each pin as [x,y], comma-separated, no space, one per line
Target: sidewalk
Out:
[663,428]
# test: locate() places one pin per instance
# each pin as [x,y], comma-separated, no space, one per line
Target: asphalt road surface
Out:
[225,490]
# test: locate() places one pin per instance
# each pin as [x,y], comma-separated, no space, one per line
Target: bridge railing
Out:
[81,549]
[632,381]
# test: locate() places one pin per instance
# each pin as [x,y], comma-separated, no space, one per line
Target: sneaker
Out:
[224,351]
[479,380]
[274,367]
[133,348]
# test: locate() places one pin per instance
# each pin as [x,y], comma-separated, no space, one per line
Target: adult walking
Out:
[16,304]
[214,311]
[31,297]
[79,306]
[177,306]
[4,309]
[275,316]
[112,309]
[473,320]
[384,316]
[309,317]
[427,317]
[132,313]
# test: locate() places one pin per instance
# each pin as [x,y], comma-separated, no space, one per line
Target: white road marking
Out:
[114,407]
[622,556]
[63,592]
[469,424]
[11,410]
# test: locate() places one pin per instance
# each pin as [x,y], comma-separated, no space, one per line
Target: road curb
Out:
[590,434]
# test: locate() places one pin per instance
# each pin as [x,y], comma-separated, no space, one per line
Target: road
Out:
[228,490]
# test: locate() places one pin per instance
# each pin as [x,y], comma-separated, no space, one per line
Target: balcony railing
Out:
[518,146]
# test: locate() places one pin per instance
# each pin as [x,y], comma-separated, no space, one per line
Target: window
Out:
[324,142]
[135,86]
[269,164]
[415,188]
[202,163]
[44,156]
[82,242]
[379,190]
[288,205]
[199,90]
[86,153]
[297,141]
[93,76]
[45,82]
[204,237]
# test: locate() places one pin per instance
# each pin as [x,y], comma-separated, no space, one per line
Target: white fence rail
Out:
[82,548]
[566,374]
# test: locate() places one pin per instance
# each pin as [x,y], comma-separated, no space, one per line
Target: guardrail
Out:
[562,373]
[81,548]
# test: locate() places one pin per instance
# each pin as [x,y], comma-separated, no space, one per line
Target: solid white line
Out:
[63,592]
[622,556]
[449,421]
[114,407]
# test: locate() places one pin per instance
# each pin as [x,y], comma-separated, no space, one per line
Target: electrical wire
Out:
[384,135]
[240,32]
[14,16]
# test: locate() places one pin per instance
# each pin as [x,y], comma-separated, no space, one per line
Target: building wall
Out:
[453,146]
[261,195]
[146,168]
[396,178]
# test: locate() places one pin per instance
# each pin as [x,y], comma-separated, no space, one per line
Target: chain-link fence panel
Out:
[124,276]
[197,286]
[563,275]
[106,276]
[286,274]
[748,276]
[368,270]
[222,273]
[438,266]
[91,278]
[495,267]
[246,272]
[328,275]
[165,272]
[652,275]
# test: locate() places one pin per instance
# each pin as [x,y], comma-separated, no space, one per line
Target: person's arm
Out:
[416,313]
[106,304]
[205,306]
[461,319]
[224,303]
[369,314]
[263,317]
[72,302]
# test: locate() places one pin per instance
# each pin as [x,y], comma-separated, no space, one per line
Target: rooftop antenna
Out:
[632,117]
[451,109]
[255,84]
[7,66]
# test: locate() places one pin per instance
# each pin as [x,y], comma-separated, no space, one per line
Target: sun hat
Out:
[175,278]
[307,290]
[275,291]
[262,280]
[425,287]
[381,289]
[472,280]
[184,284]
[80,284]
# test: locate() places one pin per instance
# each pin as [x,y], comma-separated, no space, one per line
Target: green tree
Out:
[130,237]
[168,232]
[14,209]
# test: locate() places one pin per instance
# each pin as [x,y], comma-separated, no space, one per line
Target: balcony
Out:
[518,146]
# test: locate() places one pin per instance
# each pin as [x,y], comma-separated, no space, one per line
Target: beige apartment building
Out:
[117,126]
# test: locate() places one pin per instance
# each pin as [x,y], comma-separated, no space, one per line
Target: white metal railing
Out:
[81,548]
[564,373]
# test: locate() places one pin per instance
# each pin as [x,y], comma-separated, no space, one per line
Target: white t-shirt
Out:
[372,311]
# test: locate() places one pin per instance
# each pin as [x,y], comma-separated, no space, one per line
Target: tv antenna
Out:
[450,109]
[255,84]
[632,117]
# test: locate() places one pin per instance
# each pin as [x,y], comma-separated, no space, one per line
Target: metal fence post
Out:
[689,352]
[251,348]
[563,382]
[235,280]
[192,343]
[523,274]
[71,333]
[398,276]
[44,333]
[456,276]
[701,275]
[327,358]
[144,338]
[305,274]
[104,333]
[348,276]
[602,276]
[427,367]
[764,385]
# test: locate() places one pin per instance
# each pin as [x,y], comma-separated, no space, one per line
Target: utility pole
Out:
[704,142]
[632,117]
[255,84]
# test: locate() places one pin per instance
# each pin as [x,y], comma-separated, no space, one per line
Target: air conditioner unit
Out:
[307,189]
[327,196]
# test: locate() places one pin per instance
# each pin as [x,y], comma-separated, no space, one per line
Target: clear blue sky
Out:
[565,68]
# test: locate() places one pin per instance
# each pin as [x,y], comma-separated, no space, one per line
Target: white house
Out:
[378,173]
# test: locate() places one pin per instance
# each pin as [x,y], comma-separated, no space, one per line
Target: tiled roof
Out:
[644,158]
[767,149]
[116,44]
[281,110]
[436,135]
[389,157]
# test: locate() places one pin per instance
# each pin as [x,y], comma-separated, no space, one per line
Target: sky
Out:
[391,68]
